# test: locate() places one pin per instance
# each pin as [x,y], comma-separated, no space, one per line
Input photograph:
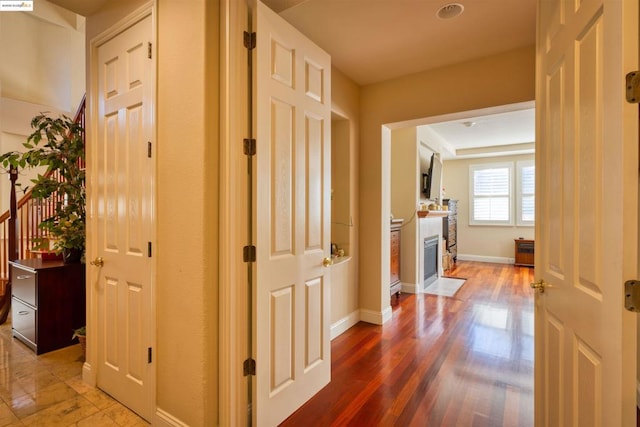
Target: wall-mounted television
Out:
[431,181]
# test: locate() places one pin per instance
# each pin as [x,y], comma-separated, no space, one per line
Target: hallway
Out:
[461,361]
[47,390]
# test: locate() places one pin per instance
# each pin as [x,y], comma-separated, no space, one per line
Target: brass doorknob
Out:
[327,262]
[539,285]
[98,262]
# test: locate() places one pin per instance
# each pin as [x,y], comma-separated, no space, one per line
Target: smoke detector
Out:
[450,10]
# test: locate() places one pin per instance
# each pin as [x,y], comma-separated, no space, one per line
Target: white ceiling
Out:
[511,131]
[375,40]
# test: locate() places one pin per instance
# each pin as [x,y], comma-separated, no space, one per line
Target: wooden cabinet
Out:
[525,252]
[394,283]
[450,228]
[48,302]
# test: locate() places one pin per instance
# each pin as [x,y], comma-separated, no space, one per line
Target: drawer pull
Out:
[23,277]
[23,313]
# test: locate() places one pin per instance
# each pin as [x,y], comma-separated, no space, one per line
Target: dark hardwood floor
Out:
[440,361]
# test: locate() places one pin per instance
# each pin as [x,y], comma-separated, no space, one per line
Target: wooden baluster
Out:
[5,301]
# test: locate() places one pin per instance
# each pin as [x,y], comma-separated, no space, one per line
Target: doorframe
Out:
[234,215]
[90,366]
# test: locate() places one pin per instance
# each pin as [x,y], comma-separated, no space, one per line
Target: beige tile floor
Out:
[47,390]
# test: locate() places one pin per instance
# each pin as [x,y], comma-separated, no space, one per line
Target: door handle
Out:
[327,262]
[98,262]
[538,286]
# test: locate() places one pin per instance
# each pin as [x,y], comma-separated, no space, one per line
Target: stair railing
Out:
[19,230]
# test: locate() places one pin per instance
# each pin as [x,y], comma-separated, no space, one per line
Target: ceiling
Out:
[376,40]
[487,133]
[371,41]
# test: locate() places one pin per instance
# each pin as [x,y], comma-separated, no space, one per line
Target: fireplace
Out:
[430,260]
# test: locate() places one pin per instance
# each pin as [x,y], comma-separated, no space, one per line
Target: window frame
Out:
[521,164]
[472,196]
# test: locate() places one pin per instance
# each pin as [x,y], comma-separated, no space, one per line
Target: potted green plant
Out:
[58,145]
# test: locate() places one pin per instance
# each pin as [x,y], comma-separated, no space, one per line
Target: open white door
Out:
[586,213]
[123,175]
[292,214]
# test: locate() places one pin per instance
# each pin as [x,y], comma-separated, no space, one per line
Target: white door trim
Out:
[89,370]
[233,326]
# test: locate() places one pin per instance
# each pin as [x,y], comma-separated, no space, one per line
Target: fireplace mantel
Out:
[432,214]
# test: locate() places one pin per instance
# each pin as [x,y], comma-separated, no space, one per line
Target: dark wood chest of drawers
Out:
[394,284]
[48,302]
[450,228]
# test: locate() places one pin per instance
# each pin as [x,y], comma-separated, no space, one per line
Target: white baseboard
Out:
[387,314]
[88,374]
[376,317]
[165,419]
[480,258]
[345,323]
[410,288]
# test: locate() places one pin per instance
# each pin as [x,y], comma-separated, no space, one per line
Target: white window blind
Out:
[526,193]
[491,194]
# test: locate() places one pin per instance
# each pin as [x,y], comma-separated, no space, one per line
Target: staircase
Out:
[19,229]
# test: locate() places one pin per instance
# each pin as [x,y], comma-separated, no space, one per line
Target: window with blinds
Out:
[526,193]
[494,197]
[491,193]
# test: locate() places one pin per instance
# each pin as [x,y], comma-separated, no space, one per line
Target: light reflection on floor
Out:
[497,328]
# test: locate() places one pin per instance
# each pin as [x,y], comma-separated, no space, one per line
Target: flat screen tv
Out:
[431,181]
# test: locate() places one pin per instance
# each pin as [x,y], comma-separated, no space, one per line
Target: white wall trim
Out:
[481,258]
[164,419]
[411,288]
[89,374]
[387,313]
[376,317]
[233,326]
[345,323]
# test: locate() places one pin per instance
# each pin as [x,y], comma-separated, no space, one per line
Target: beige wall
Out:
[186,287]
[491,81]
[340,178]
[405,169]
[482,243]
[187,291]
[42,57]
[344,284]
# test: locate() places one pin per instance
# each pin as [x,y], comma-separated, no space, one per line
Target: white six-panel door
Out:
[123,202]
[292,215]
[586,213]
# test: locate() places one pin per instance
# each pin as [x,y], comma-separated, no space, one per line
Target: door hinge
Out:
[632,295]
[249,146]
[149,149]
[149,355]
[249,40]
[149,47]
[249,253]
[632,85]
[249,367]
[149,249]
